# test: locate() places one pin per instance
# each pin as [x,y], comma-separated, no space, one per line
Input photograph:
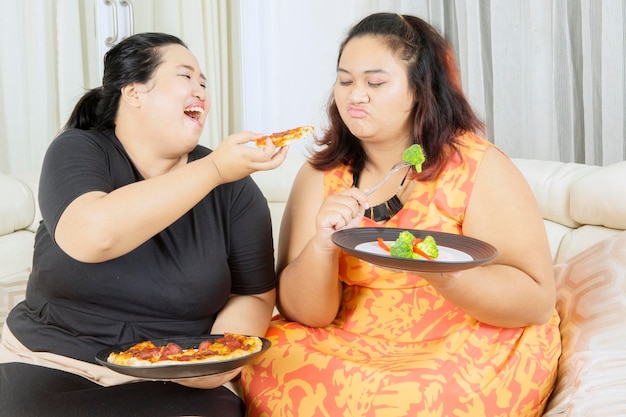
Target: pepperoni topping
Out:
[226,346]
[172,349]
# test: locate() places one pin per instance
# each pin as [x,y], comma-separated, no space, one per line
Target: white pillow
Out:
[591,300]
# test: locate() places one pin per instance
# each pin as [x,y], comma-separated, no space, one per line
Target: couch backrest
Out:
[581,204]
[19,217]
[276,186]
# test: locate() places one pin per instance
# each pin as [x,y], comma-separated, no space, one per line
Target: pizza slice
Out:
[229,346]
[285,138]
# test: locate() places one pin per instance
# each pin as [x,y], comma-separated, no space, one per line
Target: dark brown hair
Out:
[440,112]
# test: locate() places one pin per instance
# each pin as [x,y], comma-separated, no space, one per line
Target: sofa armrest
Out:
[17,205]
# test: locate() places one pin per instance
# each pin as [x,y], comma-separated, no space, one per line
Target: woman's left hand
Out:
[208,382]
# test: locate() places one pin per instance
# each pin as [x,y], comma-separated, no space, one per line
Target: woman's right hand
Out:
[233,159]
[342,210]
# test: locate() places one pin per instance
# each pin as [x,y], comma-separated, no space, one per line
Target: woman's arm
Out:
[517,288]
[243,314]
[97,226]
[309,290]
[246,314]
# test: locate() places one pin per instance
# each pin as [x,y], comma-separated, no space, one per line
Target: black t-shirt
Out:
[173,284]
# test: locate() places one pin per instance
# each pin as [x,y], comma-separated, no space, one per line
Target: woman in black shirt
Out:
[145,235]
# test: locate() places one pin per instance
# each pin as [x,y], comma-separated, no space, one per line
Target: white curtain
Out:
[37,86]
[49,58]
[547,76]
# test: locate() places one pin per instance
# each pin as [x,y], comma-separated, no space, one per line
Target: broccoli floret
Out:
[429,246]
[414,155]
[403,246]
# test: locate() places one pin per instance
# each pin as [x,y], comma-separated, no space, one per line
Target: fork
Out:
[397,167]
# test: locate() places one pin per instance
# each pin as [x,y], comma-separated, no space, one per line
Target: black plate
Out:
[456,252]
[182,370]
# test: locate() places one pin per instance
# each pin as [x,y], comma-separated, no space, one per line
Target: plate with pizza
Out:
[183,357]
[284,138]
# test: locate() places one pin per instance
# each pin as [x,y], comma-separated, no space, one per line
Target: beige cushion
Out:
[16,252]
[31,179]
[606,188]
[591,300]
[276,186]
[550,181]
[17,205]
[12,291]
[582,239]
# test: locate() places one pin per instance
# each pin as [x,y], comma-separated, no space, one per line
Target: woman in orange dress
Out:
[356,339]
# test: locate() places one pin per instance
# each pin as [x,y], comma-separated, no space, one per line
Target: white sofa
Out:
[584,208]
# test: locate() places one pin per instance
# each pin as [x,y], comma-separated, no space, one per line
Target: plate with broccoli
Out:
[414,250]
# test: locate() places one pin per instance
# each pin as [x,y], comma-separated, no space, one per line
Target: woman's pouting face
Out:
[372,91]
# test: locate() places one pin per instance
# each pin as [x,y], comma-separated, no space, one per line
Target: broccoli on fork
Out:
[414,155]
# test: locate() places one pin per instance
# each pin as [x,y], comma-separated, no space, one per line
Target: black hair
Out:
[134,59]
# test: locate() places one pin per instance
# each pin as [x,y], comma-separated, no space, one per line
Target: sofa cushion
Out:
[591,300]
[12,291]
[16,252]
[31,179]
[276,186]
[17,205]
[581,239]
[607,189]
[551,181]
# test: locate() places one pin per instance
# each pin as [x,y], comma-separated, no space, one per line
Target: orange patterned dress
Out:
[397,348]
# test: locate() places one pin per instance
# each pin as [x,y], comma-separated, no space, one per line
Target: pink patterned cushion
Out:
[591,300]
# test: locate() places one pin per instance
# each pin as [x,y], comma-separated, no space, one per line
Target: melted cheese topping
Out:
[229,347]
[285,138]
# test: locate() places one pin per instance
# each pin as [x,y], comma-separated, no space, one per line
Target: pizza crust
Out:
[286,137]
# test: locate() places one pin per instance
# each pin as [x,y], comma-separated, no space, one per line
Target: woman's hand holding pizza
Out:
[234,160]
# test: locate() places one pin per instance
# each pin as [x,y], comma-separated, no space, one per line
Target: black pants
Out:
[36,391]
